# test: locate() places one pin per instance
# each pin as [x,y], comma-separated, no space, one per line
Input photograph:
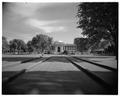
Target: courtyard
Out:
[55,74]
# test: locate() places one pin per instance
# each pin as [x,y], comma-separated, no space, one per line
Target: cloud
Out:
[46,26]
[50,29]
[26,9]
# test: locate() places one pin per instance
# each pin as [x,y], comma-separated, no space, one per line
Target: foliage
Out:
[5,45]
[82,44]
[65,52]
[38,43]
[30,47]
[109,50]
[41,42]
[17,45]
[99,21]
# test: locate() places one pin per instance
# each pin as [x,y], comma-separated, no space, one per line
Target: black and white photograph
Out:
[60,48]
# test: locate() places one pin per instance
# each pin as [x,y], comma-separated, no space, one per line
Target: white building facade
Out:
[60,48]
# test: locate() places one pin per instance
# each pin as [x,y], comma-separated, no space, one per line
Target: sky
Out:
[25,20]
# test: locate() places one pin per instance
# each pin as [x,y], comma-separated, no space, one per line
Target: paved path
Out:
[57,76]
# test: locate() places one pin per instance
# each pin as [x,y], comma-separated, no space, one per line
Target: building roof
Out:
[69,44]
[63,44]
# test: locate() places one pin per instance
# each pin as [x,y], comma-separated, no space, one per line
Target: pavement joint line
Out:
[34,65]
[21,62]
[97,79]
[25,61]
[97,64]
[21,72]
[12,78]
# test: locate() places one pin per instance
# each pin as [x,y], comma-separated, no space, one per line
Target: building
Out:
[60,47]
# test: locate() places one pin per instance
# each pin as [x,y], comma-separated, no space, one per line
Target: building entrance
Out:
[58,49]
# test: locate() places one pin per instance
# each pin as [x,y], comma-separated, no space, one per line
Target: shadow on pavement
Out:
[62,82]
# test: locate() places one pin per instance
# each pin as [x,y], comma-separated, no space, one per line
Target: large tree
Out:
[81,43]
[99,21]
[41,42]
[30,47]
[17,45]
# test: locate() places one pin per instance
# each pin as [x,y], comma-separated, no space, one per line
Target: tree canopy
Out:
[30,47]
[99,21]
[5,45]
[81,43]
[41,42]
[17,45]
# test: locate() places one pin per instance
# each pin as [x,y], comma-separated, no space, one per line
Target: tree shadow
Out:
[22,59]
[62,82]
[61,59]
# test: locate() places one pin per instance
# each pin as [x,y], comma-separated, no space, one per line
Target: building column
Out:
[56,47]
[61,48]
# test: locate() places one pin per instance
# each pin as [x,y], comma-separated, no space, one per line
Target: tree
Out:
[99,21]
[17,45]
[42,42]
[5,45]
[81,44]
[30,47]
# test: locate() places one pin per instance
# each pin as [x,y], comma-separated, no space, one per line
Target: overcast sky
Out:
[26,20]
